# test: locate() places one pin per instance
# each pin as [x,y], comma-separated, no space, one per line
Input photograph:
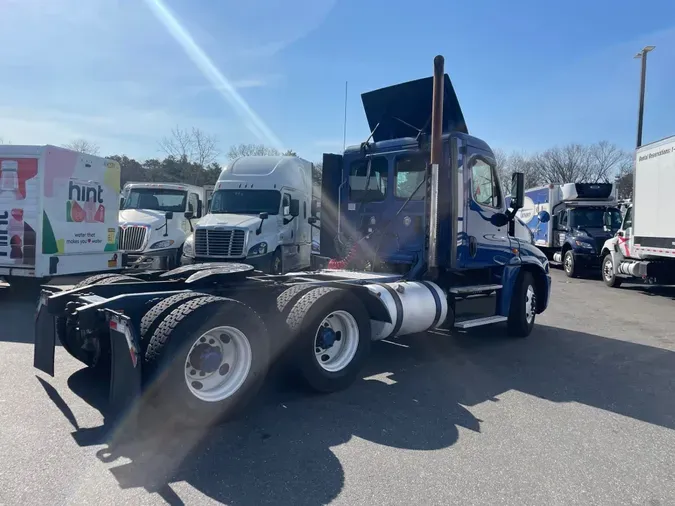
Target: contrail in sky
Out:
[252,121]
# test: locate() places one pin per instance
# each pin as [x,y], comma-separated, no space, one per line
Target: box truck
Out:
[644,246]
[58,213]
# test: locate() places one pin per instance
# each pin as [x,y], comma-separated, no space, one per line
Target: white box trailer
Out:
[58,212]
[644,247]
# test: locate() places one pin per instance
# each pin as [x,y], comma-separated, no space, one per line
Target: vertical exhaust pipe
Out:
[436,160]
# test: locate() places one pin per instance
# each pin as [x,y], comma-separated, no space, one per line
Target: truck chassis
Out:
[203,336]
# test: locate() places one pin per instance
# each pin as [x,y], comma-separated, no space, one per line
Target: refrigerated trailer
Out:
[58,213]
[644,246]
[196,342]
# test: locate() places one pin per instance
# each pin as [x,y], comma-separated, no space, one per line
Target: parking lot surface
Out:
[581,412]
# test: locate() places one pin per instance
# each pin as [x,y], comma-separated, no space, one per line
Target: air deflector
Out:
[404,109]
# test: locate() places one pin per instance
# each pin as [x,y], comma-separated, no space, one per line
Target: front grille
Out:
[132,238]
[219,243]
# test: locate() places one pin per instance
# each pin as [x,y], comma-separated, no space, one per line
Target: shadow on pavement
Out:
[411,397]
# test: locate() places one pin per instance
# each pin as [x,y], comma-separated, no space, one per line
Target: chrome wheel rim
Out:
[218,363]
[568,263]
[530,304]
[608,270]
[336,341]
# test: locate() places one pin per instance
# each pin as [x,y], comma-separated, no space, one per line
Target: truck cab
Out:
[154,221]
[375,195]
[259,214]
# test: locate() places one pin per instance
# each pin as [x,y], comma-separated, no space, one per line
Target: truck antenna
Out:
[344,130]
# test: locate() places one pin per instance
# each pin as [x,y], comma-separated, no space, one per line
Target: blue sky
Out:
[529,74]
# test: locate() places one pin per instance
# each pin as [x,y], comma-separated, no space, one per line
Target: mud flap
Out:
[45,336]
[125,371]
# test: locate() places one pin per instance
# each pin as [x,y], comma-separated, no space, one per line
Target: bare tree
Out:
[607,162]
[240,150]
[193,145]
[83,146]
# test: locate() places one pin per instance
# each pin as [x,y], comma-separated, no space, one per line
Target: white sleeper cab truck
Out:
[258,214]
[644,247]
[58,213]
[155,220]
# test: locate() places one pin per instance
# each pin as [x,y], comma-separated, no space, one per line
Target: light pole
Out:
[642,55]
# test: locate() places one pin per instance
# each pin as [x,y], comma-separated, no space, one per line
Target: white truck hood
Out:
[142,217]
[231,220]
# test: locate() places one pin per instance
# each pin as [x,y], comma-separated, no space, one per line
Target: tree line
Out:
[191,156]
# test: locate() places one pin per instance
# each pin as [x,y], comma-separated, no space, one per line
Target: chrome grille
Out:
[219,243]
[132,238]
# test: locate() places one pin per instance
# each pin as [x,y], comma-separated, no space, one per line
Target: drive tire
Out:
[522,312]
[158,310]
[304,320]
[569,266]
[101,363]
[172,342]
[608,275]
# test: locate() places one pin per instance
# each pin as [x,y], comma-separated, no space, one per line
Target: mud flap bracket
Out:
[125,369]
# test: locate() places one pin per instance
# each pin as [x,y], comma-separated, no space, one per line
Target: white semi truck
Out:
[259,215]
[58,213]
[644,246]
[154,221]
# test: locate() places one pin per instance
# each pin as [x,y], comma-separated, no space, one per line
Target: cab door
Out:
[288,235]
[482,243]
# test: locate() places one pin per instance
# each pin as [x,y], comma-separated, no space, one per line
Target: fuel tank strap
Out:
[437,301]
[399,308]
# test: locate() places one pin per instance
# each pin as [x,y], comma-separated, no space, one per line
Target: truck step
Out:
[467,290]
[487,320]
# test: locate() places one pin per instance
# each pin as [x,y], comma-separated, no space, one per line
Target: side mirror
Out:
[189,215]
[263,216]
[499,219]
[607,219]
[121,202]
[620,233]
[312,220]
[555,223]
[199,208]
[294,208]
[169,215]
[544,217]
[208,205]
[518,185]
[314,207]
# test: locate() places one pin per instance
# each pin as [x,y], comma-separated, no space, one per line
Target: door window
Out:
[563,219]
[410,173]
[484,186]
[286,205]
[193,203]
[628,219]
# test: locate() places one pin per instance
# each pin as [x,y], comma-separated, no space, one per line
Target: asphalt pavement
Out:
[581,412]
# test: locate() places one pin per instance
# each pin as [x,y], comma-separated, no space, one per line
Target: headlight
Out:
[580,233]
[584,245]
[188,246]
[162,244]
[258,249]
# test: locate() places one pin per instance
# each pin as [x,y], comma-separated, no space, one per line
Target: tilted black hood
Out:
[394,106]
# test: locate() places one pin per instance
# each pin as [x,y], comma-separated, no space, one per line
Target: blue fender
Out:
[535,264]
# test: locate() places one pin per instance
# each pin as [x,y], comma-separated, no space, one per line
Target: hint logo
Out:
[85,193]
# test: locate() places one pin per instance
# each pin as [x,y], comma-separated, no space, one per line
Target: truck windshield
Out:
[245,202]
[410,172]
[368,189]
[156,199]
[592,217]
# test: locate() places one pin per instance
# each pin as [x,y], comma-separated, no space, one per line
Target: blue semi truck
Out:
[568,222]
[419,221]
